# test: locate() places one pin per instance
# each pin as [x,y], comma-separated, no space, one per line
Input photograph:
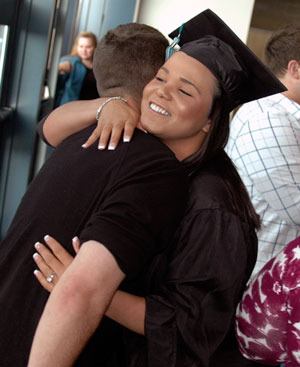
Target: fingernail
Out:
[101,146]
[37,245]
[83,145]
[35,272]
[75,240]
[35,255]
[46,238]
[126,139]
[111,147]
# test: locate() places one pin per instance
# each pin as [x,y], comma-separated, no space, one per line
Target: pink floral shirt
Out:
[268,317]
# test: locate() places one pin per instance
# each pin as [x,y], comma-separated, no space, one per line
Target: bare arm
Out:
[116,117]
[75,307]
[126,309]
[69,119]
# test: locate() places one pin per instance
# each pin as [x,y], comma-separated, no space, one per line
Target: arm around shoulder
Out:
[69,119]
[75,116]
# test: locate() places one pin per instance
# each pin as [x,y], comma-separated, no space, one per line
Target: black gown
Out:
[194,286]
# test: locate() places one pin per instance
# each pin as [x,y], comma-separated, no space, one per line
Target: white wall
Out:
[167,15]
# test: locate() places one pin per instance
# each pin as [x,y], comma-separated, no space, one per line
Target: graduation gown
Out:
[196,285]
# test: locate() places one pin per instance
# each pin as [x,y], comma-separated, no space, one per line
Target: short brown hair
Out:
[283,46]
[127,58]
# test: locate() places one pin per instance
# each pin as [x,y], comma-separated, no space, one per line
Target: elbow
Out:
[80,296]
[91,280]
[50,134]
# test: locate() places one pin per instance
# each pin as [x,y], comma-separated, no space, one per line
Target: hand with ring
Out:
[52,261]
[50,278]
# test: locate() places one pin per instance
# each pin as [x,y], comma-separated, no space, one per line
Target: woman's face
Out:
[177,102]
[85,48]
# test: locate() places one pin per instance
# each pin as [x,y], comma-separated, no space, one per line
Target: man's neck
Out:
[293,88]
[292,96]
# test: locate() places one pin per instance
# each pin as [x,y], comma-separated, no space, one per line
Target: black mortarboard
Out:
[243,77]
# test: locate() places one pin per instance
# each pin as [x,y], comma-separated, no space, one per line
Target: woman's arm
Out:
[126,309]
[116,117]
[65,67]
[69,119]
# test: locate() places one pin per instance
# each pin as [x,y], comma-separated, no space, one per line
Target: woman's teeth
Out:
[158,109]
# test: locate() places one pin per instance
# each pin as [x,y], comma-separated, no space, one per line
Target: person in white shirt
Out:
[264,144]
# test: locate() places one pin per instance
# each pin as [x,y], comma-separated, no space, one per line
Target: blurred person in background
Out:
[76,79]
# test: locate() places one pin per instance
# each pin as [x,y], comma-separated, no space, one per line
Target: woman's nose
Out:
[164,91]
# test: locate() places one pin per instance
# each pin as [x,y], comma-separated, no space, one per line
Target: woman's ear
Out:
[206,128]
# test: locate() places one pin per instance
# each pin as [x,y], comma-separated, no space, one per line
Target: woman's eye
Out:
[159,79]
[185,92]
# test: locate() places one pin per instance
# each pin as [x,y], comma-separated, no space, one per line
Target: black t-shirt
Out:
[130,200]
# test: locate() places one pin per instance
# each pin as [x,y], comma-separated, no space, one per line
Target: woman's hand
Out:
[126,309]
[65,67]
[116,118]
[52,261]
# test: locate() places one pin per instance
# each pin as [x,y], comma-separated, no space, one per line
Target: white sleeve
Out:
[269,154]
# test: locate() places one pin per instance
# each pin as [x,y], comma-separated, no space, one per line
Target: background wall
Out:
[166,15]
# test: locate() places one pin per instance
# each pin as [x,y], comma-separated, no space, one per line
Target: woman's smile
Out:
[158,109]
[176,104]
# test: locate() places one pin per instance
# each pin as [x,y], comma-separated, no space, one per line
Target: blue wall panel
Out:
[99,16]
[117,12]
[31,48]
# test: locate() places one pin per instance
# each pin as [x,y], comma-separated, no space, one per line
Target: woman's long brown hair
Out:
[216,157]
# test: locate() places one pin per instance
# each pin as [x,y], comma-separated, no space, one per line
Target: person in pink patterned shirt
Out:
[268,317]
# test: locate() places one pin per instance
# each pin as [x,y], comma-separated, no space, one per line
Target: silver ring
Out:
[50,278]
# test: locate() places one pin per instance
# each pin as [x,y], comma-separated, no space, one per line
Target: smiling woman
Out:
[176,104]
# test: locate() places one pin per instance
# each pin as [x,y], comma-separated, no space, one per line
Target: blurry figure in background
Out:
[76,79]
[268,317]
[264,144]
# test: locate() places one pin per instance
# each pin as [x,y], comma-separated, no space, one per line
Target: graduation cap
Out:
[242,76]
